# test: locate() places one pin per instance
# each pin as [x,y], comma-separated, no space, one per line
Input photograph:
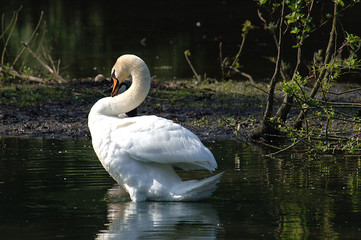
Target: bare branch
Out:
[221,59]
[12,24]
[46,66]
[12,72]
[31,37]
[186,53]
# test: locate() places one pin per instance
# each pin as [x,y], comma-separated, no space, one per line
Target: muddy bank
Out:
[212,111]
[205,112]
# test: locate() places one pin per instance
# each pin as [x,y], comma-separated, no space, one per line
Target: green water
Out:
[57,189]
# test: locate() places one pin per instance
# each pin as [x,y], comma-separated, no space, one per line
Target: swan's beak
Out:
[116,86]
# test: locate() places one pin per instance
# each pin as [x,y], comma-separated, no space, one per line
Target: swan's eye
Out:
[113,74]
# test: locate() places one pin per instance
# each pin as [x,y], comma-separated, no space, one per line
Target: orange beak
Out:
[116,86]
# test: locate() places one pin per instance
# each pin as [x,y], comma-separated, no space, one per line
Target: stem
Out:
[239,51]
[191,66]
[31,37]
[38,58]
[289,146]
[269,106]
[11,71]
[221,59]
[46,66]
[286,106]
[13,21]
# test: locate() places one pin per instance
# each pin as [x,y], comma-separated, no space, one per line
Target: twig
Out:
[272,85]
[286,105]
[323,71]
[31,37]
[291,145]
[186,54]
[13,22]
[347,91]
[246,75]
[11,71]
[239,52]
[221,59]
[265,144]
[52,71]
[58,67]
[25,44]
[344,104]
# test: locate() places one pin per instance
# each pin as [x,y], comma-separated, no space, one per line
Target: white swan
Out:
[140,152]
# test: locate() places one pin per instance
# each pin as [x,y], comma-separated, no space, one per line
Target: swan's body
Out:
[140,152]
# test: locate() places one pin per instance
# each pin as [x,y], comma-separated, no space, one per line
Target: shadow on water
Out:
[58,189]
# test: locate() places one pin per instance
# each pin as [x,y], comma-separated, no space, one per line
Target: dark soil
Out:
[61,111]
[67,117]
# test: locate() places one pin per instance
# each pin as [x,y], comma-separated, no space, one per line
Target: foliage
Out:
[320,117]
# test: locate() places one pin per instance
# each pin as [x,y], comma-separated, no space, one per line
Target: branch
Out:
[246,75]
[286,106]
[290,146]
[239,51]
[347,91]
[31,38]
[343,104]
[186,54]
[323,72]
[13,21]
[269,106]
[221,59]
[12,72]
[52,71]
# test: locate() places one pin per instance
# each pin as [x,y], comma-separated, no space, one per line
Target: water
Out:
[89,35]
[58,189]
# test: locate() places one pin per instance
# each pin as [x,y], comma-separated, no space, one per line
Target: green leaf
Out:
[339,2]
[295,30]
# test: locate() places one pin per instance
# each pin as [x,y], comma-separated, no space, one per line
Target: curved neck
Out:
[126,65]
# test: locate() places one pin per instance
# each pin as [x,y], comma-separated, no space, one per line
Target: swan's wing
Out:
[155,139]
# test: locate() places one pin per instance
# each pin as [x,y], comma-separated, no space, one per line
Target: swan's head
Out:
[117,85]
[130,65]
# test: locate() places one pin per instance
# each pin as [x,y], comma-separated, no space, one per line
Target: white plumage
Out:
[140,152]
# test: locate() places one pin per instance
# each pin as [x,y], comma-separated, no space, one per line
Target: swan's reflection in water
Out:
[160,220]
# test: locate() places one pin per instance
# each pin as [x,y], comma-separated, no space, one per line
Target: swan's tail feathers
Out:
[194,190]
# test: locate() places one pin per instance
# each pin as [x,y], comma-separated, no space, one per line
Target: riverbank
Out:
[211,109]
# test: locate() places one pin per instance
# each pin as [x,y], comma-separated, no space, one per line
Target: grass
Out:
[31,95]
[204,107]
[26,95]
[225,95]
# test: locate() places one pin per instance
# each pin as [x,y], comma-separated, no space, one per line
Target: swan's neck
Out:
[134,96]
